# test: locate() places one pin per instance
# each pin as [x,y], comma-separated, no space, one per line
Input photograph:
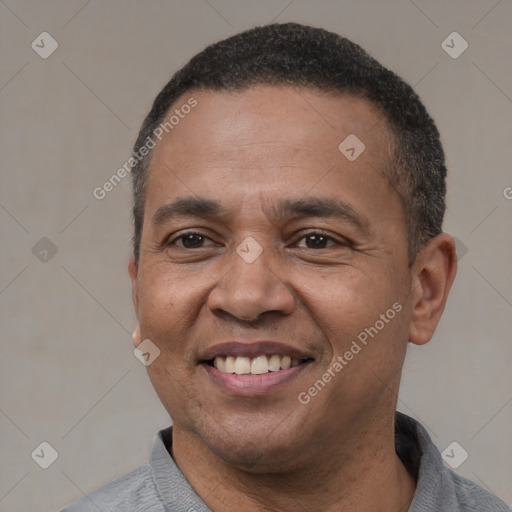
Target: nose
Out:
[248,290]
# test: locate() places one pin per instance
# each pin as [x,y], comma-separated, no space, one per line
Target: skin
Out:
[266,451]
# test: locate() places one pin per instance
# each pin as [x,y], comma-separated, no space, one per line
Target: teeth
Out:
[274,363]
[242,365]
[230,364]
[257,366]
[220,364]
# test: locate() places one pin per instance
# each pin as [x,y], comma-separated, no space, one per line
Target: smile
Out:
[259,365]
[253,368]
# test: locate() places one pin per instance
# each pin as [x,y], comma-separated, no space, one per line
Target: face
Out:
[273,273]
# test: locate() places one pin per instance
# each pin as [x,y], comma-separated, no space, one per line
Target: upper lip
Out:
[253,349]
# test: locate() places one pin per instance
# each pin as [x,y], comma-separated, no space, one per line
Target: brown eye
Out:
[191,241]
[316,241]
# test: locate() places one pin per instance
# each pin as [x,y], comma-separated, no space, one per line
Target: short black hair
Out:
[298,55]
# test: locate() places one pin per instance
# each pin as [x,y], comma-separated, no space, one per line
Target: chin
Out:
[254,449]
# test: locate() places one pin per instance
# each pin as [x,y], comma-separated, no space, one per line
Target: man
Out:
[288,205]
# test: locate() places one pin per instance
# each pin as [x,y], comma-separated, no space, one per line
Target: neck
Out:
[362,473]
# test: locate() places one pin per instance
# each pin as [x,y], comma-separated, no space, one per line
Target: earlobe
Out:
[132,271]
[434,272]
[136,336]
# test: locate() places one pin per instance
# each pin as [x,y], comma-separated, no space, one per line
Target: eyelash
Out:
[171,241]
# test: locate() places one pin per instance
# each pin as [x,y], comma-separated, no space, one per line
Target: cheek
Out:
[164,313]
[167,298]
[176,390]
[348,299]
[168,305]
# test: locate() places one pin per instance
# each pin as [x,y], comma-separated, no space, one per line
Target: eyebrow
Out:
[287,208]
[321,207]
[188,207]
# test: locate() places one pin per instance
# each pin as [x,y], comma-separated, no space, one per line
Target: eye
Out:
[317,240]
[190,240]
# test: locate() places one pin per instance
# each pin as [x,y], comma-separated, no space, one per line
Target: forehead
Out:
[269,141]
[272,115]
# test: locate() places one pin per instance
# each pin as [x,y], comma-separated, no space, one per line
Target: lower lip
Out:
[250,385]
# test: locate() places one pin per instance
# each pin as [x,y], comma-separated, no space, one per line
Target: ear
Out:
[133,271]
[433,274]
[136,336]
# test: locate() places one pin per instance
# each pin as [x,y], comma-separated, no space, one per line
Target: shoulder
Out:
[134,491]
[471,497]
[438,488]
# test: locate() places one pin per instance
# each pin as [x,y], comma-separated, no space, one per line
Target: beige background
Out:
[68,122]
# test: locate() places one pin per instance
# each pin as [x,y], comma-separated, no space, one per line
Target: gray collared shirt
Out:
[161,487]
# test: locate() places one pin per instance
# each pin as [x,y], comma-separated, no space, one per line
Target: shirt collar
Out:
[412,443]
